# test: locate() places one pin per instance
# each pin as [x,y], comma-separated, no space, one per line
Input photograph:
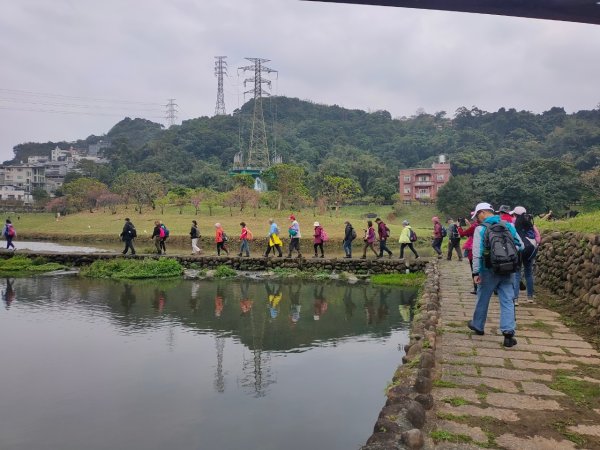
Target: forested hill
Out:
[369,147]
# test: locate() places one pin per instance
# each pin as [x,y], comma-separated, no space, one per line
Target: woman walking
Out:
[9,234]
[405,239]
[530,236]
[220,239]
[369,239]
[468,245]
[318,239]
[195,235]
[156,236]
[244,237]
[274,240]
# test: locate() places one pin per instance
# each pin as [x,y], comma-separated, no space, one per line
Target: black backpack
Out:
[353,233]
[500,252]
[454,234]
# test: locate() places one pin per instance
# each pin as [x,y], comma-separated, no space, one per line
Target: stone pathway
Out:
[544,393]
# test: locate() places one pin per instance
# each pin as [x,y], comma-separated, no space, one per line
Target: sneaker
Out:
[516,301]
[474,292]
[472,328]
[509,340]
[530,299]
[322,256]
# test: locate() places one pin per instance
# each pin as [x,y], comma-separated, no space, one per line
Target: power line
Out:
[72,97]
[69,105]
[56,111]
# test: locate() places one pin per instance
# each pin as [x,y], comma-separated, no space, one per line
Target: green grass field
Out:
[584,223]
[110,225]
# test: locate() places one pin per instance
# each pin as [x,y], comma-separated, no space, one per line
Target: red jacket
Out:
[437,230]
[381,230]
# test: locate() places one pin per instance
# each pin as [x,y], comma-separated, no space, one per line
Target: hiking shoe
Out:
[472,328]
[509,340]
[516,301]
[530,300]
[474,292]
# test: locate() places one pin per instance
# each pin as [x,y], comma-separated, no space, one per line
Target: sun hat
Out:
[518,211]
[405,222]
[482,207]
[316,224]
[504,209]
[292,217]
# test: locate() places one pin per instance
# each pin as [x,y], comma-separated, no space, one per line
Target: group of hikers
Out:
[372,233]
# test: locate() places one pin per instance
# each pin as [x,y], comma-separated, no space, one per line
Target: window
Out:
[423,178]
[407,178]
[423,191]
[407,190]
[440,177]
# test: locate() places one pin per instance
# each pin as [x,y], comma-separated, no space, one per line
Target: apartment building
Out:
[422,185]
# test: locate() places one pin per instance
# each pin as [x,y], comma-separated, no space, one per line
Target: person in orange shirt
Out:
[220,239]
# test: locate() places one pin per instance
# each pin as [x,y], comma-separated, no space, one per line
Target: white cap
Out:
[482,207]
[518,211]
[316,224]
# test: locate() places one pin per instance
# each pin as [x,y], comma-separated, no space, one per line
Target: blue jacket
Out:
[478,247]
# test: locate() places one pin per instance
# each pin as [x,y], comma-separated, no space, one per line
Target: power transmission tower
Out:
[258,151]
[171,112]
[220,71]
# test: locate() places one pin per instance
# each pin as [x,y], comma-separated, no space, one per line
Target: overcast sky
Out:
[72,55]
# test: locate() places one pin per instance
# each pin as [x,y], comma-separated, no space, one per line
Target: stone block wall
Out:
[568,264]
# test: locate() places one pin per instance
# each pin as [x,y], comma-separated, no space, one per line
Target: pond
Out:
[195,365]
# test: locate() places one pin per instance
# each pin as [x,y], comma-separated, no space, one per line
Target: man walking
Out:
[453,240]
[384,232]
[128,234]
[495,247]
[438,236]
[294,232]
[349,236]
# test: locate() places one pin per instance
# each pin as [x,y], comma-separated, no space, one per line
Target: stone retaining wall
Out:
[568,264]
[402,418]
[358,266]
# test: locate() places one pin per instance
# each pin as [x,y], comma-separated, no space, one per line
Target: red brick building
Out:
[423,184]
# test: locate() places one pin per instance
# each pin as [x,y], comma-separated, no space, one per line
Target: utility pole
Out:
[220,71]
[258,152]
[171,112]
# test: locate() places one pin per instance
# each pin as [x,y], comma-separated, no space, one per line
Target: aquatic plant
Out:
[121,268]
[24,264]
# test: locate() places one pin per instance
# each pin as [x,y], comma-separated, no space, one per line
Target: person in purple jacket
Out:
[369,239]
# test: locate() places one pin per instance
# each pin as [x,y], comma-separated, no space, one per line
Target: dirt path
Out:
[544,393]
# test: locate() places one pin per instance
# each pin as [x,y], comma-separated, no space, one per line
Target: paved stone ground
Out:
[544,393]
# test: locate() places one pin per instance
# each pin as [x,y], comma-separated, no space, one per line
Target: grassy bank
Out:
[583,223]
[399,279]
[122,269]
[23,265]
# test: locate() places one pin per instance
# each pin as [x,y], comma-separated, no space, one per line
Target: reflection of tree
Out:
[256,373]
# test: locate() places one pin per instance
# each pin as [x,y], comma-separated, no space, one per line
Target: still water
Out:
[90,364]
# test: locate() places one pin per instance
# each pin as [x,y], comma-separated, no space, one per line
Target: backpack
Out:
[133,232]
[161,232]
[249,234]
[166,231]
[353,234]
[444,231]
[10,231]
[324,235]
[500,251]
[387,232]
[292,231]
[225,237]
[454,234]
[412,236]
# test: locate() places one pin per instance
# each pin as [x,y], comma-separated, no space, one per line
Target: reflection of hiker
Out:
[295,306]
[383,310]
[245,302]
[274,298]
[348,303]
[369,307]
[9,294]
[160,299]
[128,234]
[320,304]
[218,304]
[9,234]
[127,298]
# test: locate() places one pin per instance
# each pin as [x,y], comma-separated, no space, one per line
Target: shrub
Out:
[225,272]
[133,269]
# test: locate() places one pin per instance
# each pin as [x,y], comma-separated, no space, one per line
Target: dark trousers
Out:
[221,246]
[454,244]
[437,245]
[9,242]
[320,246]
[368,245]
[274,247]
[163,247]
[294,245]
[383,247]
[410,246]
[128,245]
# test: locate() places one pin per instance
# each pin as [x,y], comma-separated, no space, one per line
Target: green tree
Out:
[142,188]
[340,190]
[288,181]
[83,193]
[457,197]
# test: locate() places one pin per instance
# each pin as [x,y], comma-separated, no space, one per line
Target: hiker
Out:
[294,233]
[221,239]
[273,240]
[453,239]
[195,235]
[9,234]
[495,255]
[128,234]
[384,232]
[369,239]
[468,245]
[164,234]
[349,236]
[505,214]
[437,237]
[156,236]
[407,237]
[244,238]
[318,240]
[530,236]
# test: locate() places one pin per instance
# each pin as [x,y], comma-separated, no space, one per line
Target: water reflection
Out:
[195,356]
